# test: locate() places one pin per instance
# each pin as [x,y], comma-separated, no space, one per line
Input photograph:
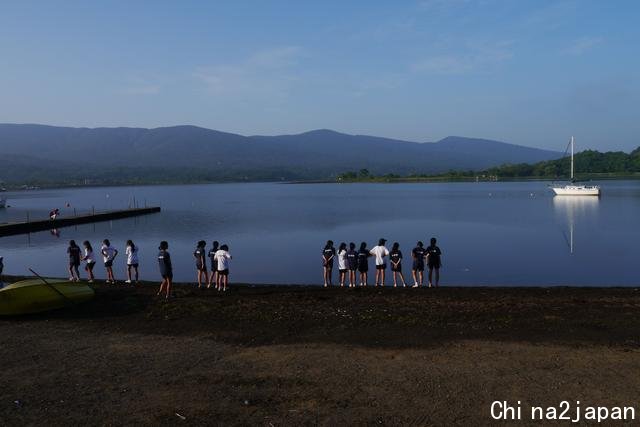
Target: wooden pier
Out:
[12,228]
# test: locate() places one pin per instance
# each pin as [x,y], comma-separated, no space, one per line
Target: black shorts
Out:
[434,264]
[328,265]
[201,267]
[169,275]
[74,263]
[108,263]
[89,266]
[381,267]
[397,269]
[418,266]
[224,272]
[353,268]
[133,265]
[342,270]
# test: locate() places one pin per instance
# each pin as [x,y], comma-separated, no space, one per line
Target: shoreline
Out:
[306,355]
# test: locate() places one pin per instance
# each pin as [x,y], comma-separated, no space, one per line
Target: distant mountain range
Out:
[52,154]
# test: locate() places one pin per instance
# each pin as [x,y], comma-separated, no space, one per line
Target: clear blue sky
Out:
[528,72]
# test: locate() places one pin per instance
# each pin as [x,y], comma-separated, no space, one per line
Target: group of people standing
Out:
[108,253]
[219,257]
[356,262]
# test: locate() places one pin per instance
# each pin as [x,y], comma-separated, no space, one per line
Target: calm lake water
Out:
[489,233]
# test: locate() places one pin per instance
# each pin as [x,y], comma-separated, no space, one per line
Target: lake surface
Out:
[490,233]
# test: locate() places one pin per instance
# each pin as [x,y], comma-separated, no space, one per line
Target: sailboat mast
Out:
[572,158]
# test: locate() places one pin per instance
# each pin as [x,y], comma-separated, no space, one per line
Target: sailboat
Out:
[572,188]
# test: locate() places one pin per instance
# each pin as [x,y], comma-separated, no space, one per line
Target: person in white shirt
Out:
[342,262]
[90,259]
[109,253]
[380,252]
[223,256]
[132,260]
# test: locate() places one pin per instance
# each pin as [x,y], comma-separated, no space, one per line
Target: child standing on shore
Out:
[166,269]
[201,262]
[352,263]
[363,263]
[74,261]
[328,253]
[396,264]
[418,253]
[109,253]
[434,262]
[132,260]
[223,256]
[380,252]
[213,278]
[90,259]
[342,262]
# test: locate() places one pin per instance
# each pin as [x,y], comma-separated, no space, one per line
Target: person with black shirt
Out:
[396,263]
[363,263]
[213,278]
[74,261]
[201,263]
[328,253]
[418,253]
[166,270]
[434,261]
[352,264]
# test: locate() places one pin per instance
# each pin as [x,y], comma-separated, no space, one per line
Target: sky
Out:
[530,72]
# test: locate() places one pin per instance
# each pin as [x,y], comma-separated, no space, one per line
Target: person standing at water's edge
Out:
[434,262]
[132,260]
[90,260]
[74,261]
[380,252]
[342,262]
[328,253]
[418,253]
[213,278]
[201,262]
[396,264]
[363,263]
[109,254]
[223,256]
[1,269]
[352,263]
[166,269]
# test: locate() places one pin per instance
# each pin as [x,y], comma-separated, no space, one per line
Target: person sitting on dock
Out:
[109,253]
[223,256]
[201,262]
[132,260]
[213,278]
[380,252]
[54,214]
[166,269]
[74,261]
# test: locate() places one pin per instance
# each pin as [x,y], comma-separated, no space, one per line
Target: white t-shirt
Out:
[89,257]
[380,252]
[342,260]
[223,258]
[109,251]
[132,255]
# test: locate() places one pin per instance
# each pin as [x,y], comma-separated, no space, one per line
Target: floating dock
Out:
[12,228]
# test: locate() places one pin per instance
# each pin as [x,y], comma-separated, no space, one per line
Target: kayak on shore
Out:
[37,295]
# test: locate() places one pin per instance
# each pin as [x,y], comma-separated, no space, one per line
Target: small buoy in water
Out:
[490,194]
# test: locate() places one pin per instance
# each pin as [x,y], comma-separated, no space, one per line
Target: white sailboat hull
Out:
[577,190]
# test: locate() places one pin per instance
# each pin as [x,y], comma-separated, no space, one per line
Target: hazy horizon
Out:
[531,73]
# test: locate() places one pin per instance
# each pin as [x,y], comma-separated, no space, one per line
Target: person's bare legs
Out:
[169,280]
[129,273]
[395,285]
[437,277]
[421,274]
[161,287]
[71,276]
[404,284]
[225,280]
[199,278]
[136,271]
[430,276]
[382,272]
[343,274]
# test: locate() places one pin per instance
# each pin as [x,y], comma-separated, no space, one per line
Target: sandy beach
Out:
[300,355]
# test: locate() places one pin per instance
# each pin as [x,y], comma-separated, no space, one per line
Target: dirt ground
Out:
[276,355]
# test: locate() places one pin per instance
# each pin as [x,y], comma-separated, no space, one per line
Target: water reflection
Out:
[572,210]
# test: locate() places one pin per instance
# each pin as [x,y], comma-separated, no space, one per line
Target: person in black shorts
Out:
[342,262]
[396,263]
[328,253]
[363,263]
[418,253]
[434,262]
[213,278]
[74,261]
[166,270]
[201,263]
[352,264]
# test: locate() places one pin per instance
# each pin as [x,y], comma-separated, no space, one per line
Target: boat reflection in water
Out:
[574,209]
